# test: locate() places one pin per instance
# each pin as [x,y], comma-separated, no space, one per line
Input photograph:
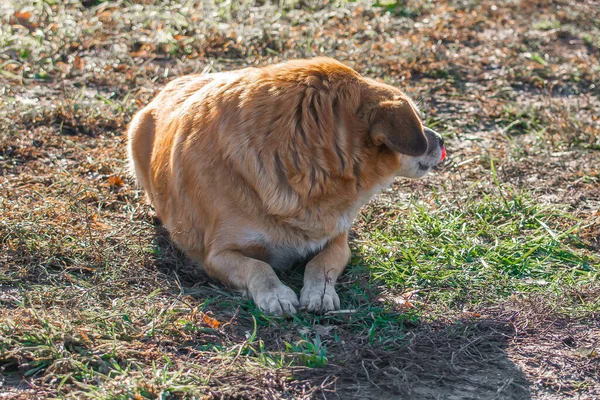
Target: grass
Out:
[479,281]
[472,251]
[122,333]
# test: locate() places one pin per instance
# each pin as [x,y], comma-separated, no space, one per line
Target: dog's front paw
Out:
[319,298]
[278,301]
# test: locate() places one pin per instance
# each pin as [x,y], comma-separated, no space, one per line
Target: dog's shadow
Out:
[372,352]
[173,262]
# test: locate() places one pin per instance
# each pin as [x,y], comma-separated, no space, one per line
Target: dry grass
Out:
[480,281]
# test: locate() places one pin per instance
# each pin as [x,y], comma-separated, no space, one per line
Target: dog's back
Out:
[144,127]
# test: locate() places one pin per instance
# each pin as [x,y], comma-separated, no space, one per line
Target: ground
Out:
[479,281]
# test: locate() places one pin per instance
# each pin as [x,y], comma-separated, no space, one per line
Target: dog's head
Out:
[393,122]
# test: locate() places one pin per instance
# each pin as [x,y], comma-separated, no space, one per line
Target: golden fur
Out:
[266,167]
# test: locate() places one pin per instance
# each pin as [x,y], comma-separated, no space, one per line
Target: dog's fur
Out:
[267,167]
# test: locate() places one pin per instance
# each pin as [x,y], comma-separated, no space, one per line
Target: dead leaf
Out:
[210,321]
[101,225]
[405,304]
[22,16]
[84,335]
[402,303]
[323,331]
[79,63]
[305,330]
[115,181]
[588,352]
[62,66]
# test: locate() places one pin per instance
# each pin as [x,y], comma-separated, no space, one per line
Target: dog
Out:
[266,168]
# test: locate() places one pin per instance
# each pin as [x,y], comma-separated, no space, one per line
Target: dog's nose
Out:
[440,141]
[436,135]
[440,138]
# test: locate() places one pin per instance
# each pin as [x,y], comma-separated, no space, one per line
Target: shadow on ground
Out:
[459,361]
[412,359]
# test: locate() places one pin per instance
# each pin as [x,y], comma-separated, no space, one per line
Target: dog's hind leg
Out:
[141,142]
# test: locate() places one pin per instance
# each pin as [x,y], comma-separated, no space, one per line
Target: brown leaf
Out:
[84,335]
[101,225]
[210,321]
[62,66]
[116,181]
[22,16]
[588,352]
[79,63]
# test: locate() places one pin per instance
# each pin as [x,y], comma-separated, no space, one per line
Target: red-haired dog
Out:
[264,168]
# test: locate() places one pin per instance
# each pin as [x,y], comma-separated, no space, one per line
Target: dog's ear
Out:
[396,125]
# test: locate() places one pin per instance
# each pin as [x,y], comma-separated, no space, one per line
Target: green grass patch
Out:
[478,250]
